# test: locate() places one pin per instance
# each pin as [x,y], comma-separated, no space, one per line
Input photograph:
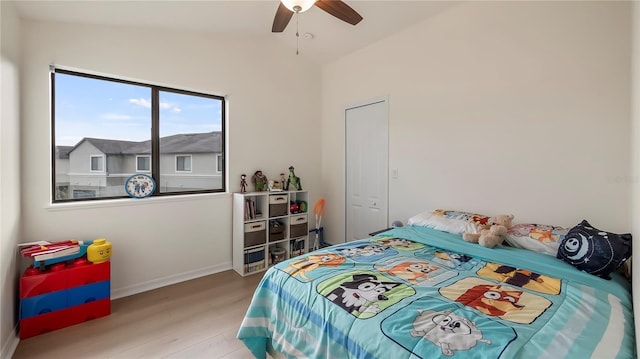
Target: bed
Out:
[418,292]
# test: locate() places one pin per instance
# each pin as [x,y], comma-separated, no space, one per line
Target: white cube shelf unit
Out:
[266,231]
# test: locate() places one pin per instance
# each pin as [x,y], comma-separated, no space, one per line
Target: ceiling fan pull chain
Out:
[297,34]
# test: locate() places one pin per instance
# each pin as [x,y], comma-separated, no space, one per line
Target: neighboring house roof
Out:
[192,143]
[117,147]
[62,152]
[210,142]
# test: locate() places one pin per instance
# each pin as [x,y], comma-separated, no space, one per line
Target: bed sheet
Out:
[415,292]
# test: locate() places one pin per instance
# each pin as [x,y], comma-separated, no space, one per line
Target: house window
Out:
[219,164]
[97,163]
[143,163]
[183,163]
[124,127]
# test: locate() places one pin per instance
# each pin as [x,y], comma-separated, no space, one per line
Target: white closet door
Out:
[367,162]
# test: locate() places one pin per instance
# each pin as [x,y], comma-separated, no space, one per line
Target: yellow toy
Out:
[99,251]
[490,236]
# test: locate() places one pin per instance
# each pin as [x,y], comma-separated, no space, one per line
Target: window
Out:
[97,163]
[124,127]
[219,164]
[143,164]
[183,163]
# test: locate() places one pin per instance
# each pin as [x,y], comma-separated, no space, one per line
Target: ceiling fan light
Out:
[303,4]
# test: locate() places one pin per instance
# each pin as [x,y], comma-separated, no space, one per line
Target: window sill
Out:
[124,202]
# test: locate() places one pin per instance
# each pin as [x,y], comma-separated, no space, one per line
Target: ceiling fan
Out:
[337,8]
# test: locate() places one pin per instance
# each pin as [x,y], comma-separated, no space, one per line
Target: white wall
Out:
[496,107]
[635,157]
[9,174]
[274,107]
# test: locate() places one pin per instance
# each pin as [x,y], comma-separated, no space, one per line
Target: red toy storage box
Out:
[44,323]
[63,296]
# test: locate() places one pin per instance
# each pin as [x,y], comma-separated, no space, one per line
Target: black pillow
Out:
[594,251]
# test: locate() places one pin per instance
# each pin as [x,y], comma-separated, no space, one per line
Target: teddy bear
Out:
[490,235]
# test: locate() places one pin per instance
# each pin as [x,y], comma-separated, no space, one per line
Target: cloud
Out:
[163,105]
[140,102]
[170,106]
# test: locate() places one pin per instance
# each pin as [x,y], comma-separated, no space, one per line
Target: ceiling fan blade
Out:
[282,18]
[340,10]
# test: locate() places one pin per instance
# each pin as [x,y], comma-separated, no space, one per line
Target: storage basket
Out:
[278,205]
[299,226]
[276,231]
[255,233]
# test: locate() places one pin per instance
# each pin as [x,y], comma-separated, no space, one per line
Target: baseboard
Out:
[11,344]
[172,279]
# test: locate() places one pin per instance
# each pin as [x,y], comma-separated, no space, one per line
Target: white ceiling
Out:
[332,38]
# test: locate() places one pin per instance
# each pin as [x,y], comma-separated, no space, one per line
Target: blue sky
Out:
[87,107]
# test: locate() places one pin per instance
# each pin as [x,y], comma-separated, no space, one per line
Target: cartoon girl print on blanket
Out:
[363,294]
[440,328]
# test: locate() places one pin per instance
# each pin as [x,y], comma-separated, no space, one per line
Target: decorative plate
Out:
[140,186]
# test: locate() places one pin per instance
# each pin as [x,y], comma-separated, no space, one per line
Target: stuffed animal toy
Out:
[490,236]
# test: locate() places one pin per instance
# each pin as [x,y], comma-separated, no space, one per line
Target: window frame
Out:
[155,136]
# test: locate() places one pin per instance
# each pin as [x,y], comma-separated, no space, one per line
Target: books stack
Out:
[46,251]
[253,259]
[250,210]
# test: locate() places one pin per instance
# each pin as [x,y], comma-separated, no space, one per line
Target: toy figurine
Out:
[259,181]
[243,183]
[293,180]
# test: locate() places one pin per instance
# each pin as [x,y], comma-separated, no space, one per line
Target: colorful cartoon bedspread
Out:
[415,292]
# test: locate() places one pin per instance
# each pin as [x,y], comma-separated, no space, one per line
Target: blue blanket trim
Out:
[332,332]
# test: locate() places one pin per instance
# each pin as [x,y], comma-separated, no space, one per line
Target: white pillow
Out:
[539,238]
[449,221]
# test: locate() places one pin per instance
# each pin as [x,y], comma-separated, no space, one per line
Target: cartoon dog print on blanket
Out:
[415,271]
[305,265]
[521,278]
[497,300]
[492,300]
[399,243]
[367,250]
[435,327]
[412,271]
[454,260]
[448,331]
[363,293]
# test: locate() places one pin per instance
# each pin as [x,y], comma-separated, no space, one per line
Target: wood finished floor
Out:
[195,319]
